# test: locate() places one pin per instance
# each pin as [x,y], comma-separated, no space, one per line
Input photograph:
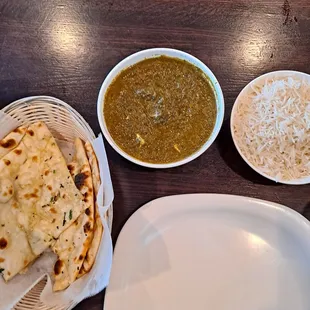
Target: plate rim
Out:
[272,205]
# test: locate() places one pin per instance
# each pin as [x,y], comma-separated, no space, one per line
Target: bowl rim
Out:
[301,181]
[150,53]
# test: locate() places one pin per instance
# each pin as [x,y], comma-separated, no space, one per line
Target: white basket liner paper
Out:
[90,284]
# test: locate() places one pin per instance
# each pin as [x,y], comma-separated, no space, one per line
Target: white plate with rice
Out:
[270,125]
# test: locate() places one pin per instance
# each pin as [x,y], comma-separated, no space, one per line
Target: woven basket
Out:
[65,124]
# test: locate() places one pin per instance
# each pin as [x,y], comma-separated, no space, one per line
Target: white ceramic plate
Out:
[216,252]
[243,94]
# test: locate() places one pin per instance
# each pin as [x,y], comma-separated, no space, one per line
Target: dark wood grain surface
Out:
[66,48]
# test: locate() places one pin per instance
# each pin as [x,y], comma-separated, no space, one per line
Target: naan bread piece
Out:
[60,202]
[92,252]
[46,198]
[15,251]
[12,140]
[73,244]
[92,158]
[98,229]
[93,162]
[94,247]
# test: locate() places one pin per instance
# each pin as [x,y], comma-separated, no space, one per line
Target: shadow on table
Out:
[233,159]
[306,211]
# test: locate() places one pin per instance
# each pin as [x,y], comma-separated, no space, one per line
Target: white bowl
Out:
[244,92]
[155,52]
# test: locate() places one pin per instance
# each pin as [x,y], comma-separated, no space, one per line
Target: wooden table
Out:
[66,48]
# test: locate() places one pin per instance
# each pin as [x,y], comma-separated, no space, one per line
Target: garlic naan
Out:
[46,199]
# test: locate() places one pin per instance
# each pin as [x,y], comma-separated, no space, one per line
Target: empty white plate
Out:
[216,252]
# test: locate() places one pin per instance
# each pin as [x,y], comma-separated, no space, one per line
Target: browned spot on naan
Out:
[8,144]
[58,266]
[3,243]
[79,180]
[17,130]
[7,162]
[30,132]
[32,195]
[70,168]
[87,227]
[18,152]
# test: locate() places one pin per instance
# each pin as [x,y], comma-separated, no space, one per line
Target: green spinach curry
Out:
[160,110]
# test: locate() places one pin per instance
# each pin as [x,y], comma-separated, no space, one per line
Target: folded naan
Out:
[98,229]
[43,195]
[73,243]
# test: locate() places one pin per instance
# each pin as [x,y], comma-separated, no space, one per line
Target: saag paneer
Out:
[160,110]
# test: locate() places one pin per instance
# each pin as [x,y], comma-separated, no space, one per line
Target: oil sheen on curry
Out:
[160,110]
